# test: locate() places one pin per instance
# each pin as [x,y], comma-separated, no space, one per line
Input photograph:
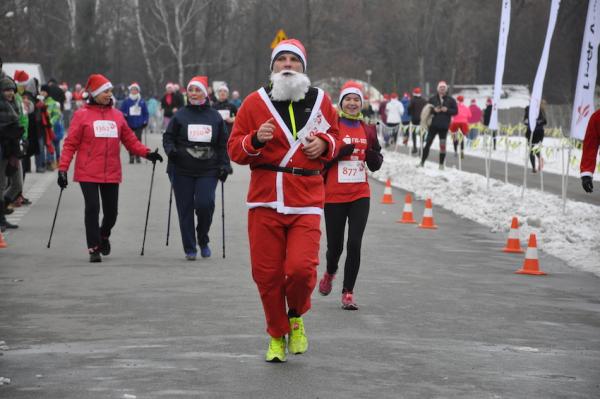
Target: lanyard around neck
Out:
[292,120]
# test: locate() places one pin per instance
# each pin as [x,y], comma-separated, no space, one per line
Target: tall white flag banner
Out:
[538,83]
[502,41]
[583,103]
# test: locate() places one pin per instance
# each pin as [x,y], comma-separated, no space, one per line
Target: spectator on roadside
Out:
[56,93]
[414,109]
[78,96]
[487,115]
[474,120]
[589,154]
[405,118]
[68,105]
[55,124]
[537,137]
[393,111]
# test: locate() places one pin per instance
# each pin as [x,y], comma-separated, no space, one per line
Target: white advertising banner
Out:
[538,83]
[502,41]
[583,102]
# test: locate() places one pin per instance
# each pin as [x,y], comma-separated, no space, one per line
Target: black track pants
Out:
[110,202]
[357,213]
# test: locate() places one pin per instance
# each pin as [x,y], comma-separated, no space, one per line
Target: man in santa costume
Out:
[285,132]
[591,142]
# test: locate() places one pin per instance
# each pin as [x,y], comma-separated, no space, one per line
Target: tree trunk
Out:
[142,39]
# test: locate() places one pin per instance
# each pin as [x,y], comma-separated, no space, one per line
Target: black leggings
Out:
[430,136]
[110,201]
[357,213]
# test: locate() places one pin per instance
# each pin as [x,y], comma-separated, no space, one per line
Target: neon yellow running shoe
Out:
[276,351]
[297,342]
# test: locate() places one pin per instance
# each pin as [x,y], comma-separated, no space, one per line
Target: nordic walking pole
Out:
[169,218]
[223,214]
[148,209]
[55,214]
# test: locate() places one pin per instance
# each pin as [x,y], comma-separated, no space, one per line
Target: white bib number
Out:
[315,125]
[106,129]
[351,172]
[135,110]
[200,133]
[225,114]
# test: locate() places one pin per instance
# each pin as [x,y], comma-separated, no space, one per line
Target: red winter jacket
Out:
[591,142]
[95,134]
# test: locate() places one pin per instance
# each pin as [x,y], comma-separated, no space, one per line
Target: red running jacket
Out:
[95,134]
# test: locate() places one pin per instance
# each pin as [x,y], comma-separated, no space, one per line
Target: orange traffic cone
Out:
[513,245]
[387,193]
[427,222]
[2,242]
[531,264]
[407,214]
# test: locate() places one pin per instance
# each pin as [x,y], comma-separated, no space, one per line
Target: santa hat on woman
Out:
[417,92]
[351,87]
[293,46]
[97,83]
[134,85]
[460,99]
[21,77]
[200,82]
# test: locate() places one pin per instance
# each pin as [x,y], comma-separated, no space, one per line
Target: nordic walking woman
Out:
[196,143]
[347,192]
[95,134]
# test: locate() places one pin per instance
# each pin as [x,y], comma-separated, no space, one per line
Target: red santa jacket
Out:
[285,192]
[96,133]
[591,142]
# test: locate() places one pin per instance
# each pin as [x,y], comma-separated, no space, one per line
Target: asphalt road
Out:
[442,315]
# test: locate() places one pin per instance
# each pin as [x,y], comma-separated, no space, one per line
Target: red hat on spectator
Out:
[200,82]
[135,85]
[97,83]
[460,99]
[417,91]
[488,101]
[394,95]
[21,77]
[386,97]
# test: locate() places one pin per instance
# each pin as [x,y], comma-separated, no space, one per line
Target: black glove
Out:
[172,156]
[346,150]
[62,181]
[224,172]
[586,182]
[154,156]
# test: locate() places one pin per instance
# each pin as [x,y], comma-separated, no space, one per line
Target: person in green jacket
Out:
[55,116]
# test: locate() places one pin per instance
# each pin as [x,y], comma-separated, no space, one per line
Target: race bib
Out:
[351,172]
[135,110]
[225,114]
[199,133]
[106,129]
[317,124]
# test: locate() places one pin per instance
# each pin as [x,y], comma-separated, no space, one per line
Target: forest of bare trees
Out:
[404,42]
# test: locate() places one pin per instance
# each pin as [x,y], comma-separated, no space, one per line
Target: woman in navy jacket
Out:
[196,143]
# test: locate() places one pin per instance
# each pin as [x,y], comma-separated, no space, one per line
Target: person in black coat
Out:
[417,103]
[487,115]
[444,108]
[538,134]
[196,143]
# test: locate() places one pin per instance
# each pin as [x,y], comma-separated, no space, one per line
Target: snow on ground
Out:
[551,150]
[573,237]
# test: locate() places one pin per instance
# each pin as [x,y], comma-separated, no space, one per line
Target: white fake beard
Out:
[289,85]
[134,97]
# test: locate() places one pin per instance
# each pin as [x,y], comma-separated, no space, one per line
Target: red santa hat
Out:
[293,46]
[351,87]
[394,96]
[442,83]
[200,82]
[21,77]
[97,83]
[417,91]
[460,99]
[134,85]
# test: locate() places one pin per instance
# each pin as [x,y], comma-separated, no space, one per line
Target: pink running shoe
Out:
[326,283]
[348,301]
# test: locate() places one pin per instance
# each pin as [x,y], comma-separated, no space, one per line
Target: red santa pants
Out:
[284,251]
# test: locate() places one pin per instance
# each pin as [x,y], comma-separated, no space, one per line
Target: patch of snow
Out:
[573,237]
[4,381]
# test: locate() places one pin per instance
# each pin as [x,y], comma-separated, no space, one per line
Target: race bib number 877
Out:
[351,172]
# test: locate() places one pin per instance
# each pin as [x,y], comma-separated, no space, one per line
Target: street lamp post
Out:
[368,72]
